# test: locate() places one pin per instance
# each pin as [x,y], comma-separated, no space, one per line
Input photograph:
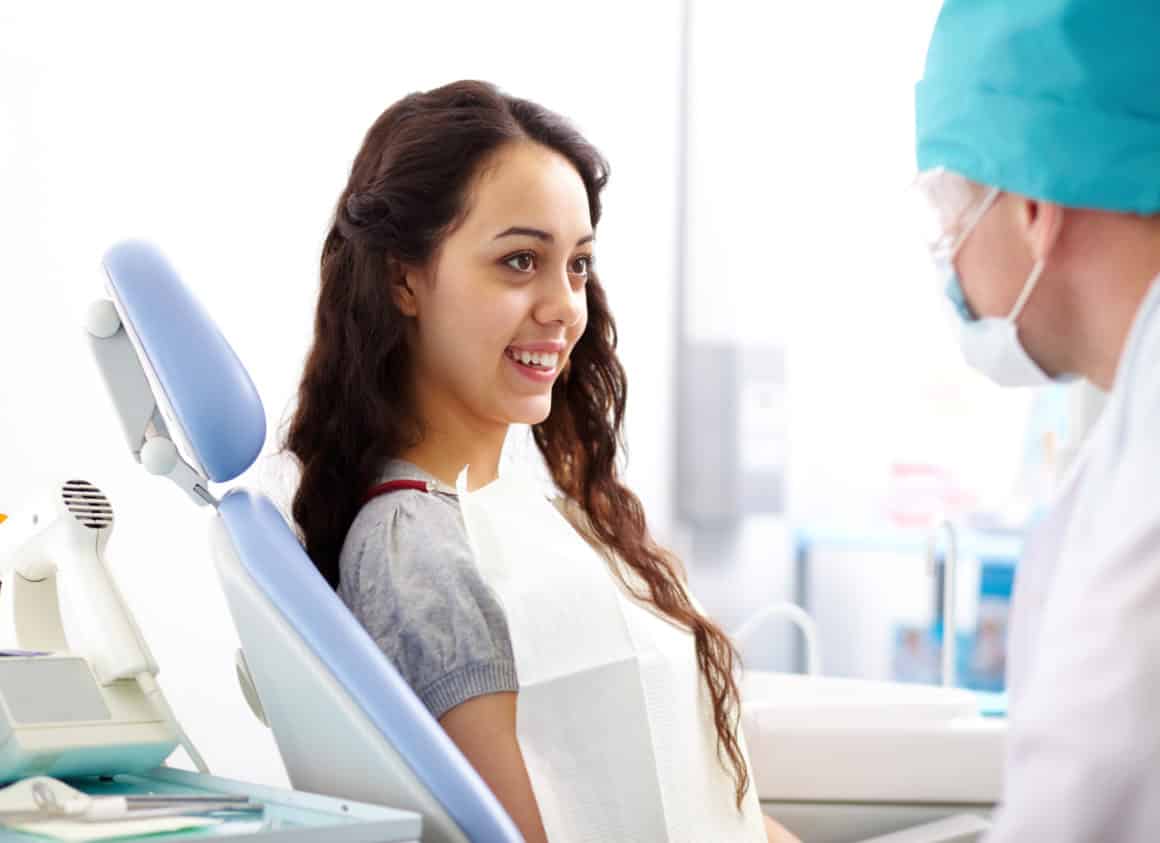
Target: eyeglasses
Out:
[949,207]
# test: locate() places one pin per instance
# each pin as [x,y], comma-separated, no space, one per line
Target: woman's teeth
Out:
[546,361]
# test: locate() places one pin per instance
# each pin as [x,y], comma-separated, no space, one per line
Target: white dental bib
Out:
[613,719]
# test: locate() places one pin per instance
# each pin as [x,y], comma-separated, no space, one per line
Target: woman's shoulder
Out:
[410,541]
[413,518]
[409,577]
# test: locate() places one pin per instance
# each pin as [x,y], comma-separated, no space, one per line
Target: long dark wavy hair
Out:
[407,189]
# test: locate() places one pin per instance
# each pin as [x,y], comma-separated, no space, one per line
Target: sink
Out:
[823,739]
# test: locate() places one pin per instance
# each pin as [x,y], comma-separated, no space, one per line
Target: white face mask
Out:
[991,344]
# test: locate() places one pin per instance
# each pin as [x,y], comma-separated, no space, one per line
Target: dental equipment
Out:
[42,798]
[80,695]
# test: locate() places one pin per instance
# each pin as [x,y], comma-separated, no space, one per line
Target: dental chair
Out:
[345,722]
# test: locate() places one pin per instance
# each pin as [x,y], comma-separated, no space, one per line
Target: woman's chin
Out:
[531,410]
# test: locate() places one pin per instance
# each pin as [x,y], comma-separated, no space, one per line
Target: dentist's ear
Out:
[1042,224]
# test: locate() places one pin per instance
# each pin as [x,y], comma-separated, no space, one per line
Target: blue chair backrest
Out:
[214,403]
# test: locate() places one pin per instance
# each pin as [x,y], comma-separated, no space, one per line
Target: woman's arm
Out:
[484,729]
[776,833]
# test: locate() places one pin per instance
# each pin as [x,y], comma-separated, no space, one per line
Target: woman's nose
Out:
[562,301]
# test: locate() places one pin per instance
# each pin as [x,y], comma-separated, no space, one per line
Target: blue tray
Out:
[288,815]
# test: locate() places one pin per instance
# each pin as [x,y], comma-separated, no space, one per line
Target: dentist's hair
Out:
[408,188]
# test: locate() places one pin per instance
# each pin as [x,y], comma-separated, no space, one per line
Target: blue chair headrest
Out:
[212,398]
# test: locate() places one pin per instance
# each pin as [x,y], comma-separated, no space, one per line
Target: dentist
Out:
[1038,134]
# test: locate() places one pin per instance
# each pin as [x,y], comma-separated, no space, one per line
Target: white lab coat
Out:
[1084,669]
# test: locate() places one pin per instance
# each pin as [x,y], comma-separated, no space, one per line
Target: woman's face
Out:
[502,303]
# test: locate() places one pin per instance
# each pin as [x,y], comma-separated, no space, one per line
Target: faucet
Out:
[799,617]
[950,597]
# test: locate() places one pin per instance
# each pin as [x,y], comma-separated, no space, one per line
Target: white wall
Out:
[224,132]
[800,233]
[801,153]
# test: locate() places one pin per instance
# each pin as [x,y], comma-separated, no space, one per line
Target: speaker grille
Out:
[88,504]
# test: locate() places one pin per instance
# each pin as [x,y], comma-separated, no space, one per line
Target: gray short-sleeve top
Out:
[408,576]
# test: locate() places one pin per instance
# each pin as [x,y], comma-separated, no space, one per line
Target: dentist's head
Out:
[1038,144]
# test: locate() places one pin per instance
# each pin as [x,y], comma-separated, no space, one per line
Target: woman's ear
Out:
[403,291]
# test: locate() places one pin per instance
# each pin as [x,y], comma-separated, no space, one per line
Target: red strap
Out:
[396,486]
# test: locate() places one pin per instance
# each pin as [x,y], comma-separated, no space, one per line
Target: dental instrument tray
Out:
[286,815]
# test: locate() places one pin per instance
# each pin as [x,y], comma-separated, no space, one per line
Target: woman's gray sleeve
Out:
[409,577]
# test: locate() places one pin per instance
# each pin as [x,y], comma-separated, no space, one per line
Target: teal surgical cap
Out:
[1058,100]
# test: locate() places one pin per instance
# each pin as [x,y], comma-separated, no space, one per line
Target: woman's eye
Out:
[523,262]
[582,265]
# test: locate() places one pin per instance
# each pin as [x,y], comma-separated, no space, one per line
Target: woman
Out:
[458,298]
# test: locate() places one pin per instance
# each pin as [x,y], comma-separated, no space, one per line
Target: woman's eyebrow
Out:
[539,234]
